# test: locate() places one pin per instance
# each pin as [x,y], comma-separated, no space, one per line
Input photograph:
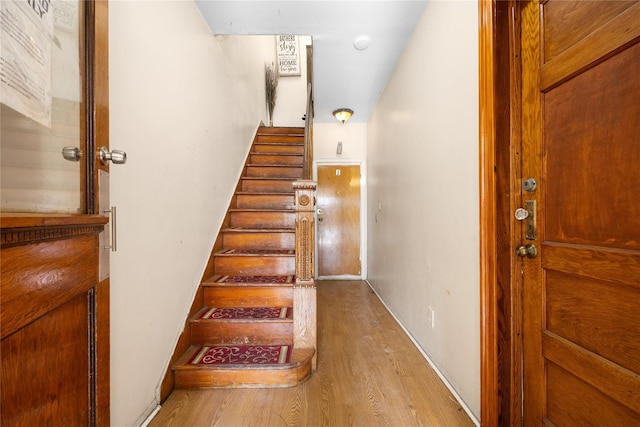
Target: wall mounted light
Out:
[343,114]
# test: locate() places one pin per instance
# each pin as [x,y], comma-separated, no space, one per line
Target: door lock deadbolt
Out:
[529,185]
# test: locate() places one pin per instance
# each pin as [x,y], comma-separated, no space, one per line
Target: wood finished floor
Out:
[369,374]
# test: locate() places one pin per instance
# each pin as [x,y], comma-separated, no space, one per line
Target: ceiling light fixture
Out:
[343,114]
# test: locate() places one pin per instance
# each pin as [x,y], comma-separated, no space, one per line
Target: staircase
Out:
[244,334]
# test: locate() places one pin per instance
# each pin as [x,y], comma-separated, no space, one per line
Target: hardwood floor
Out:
[369,374]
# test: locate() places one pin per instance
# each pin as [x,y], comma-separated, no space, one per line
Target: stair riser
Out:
[278,148]
[254,265]
[274,172]
[268,201]
[267,185]
[248,240]
[241,333]
[280,130]
[241,378]
[281,139]
[235,296]
[272,159]
[263,219]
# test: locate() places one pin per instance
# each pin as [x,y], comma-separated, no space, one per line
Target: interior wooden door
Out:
[54,312]
[581,141]
[338,211]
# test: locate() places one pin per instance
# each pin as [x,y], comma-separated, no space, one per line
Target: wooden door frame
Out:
[500,193]
[363,210]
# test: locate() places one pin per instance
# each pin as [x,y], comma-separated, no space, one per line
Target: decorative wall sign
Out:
[288,55]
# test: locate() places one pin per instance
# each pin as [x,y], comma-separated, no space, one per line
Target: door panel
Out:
[591,169]
[568,22]
[55,313]
[338,211]
[581,127]
[589,313]
[571,403]
[55,343]
[39,277]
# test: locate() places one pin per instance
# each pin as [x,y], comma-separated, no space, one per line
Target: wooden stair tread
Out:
[281,130]
[241,280]
[243,320]
[297,370]
[276,153]
[254,252]
[244,315]
[257,230]
[297,140]
[299,356]
[268,178]
[259,210]
[273,165]
[266,193]
[292,143]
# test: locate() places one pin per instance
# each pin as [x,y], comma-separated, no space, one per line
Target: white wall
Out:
[291,100]
[423,170]
[327,135]
[184,106]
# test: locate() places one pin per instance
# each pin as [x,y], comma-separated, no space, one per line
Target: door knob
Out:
[529,251]
[521,214]
[72,154]
[116,156]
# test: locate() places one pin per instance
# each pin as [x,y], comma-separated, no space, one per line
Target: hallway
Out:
[369,374]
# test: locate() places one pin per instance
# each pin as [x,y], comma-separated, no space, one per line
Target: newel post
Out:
[304,290]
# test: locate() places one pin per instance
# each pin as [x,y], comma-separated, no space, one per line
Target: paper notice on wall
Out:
[65,13]
[25,57]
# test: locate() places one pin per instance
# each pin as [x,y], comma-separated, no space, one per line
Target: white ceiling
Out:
[343,75]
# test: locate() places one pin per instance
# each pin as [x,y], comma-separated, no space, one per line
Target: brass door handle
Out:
[529,251]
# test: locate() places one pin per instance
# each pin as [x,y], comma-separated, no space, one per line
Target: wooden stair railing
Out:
[304,290]
[308,137]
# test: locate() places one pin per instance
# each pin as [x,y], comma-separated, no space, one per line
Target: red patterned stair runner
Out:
[252,279]
[247,313]
[242,355]
[257,251]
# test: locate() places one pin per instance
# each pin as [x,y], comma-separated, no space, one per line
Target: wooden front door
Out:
[581,143]
[54,307]
[338,210]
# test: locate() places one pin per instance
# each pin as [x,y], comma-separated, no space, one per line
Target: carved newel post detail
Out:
[304,291]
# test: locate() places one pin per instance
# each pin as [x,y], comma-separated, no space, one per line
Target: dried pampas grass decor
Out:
[271,77]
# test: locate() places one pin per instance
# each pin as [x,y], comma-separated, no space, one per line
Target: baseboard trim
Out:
[428,359]
[149,415]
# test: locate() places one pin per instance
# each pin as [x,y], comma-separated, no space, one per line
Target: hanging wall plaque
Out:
[288,55]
